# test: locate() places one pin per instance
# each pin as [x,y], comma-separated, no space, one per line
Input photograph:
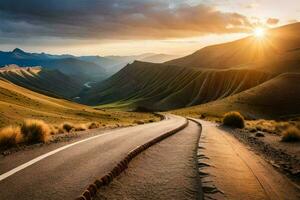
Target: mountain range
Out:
[86,68]
[230,71]
[49,82]
[256,76]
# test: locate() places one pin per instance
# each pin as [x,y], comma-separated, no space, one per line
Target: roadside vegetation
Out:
[33,131]
[292,134]
[289,131]
[234,119]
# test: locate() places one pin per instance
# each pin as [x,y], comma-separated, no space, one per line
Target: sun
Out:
[259,32]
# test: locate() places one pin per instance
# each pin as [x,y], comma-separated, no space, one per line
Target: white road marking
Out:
[37,159]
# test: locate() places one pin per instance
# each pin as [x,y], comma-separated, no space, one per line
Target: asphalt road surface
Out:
[228,168]
[165,171]
[65,172]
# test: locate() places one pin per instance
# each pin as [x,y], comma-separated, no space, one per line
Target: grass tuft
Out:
[93,125]
[67,126]
[291,134]
[35,131]
[139,122]
[10,136]
[234,119]
[79,127]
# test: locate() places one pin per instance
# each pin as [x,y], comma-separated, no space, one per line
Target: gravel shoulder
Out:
[230,169]
[167,170]
[285,157]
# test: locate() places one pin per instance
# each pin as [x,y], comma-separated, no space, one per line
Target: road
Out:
[65,172]
[230,170]
[167,170]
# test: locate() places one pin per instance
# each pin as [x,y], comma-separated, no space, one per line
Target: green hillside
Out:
[165,87]
[276,98]
[18,103]
[49,82]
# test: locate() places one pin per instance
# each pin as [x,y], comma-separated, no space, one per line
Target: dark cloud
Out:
[113,19]
[272,21]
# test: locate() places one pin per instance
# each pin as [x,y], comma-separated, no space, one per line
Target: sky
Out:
[131,27]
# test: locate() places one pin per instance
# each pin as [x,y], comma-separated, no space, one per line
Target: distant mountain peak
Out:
[17,50]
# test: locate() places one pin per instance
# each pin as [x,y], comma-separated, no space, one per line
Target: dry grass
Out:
[56,130]
[10,136]
[234,119]
[79,127]
[67,126]
[271,126]
[139,122]
[93,125]
[70,127]
[35,131]
[291,134]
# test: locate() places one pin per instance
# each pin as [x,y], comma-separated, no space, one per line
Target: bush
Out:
[35,131]
[139,122]
[292,134]
[234,119]
[67,126]
[79,127]
[10,136]
[93,125]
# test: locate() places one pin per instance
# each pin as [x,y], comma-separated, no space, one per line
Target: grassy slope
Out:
[49,82]
[163,87]
[17,103]
[277,98]
[277,52]
[209,74]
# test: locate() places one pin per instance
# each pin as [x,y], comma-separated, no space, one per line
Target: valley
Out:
[18,103]
[220,123]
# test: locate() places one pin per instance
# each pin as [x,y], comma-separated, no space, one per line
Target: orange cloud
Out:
[272,21]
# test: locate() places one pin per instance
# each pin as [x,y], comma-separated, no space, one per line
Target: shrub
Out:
[67,126]
[10,136]
[35,131]
[79,127]
[93,125]
[139,122]
[292,134]
[56,130]
[234,119]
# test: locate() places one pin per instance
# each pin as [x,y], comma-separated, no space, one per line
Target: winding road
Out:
[168,170]
[65,172]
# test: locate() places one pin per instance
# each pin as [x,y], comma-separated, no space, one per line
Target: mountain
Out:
[277,52]
[88,68]
[65,63]
[158,58]
[165,87]
[210,74]
[113,64]
[276,98]
[45,81]
[18,103]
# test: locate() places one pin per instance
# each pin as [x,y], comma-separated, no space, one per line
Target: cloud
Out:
[252,5]
[114,19]
[272,21]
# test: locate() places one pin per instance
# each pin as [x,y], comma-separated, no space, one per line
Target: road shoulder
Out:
[230,170]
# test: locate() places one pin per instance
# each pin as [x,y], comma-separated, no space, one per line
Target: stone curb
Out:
[92,189]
